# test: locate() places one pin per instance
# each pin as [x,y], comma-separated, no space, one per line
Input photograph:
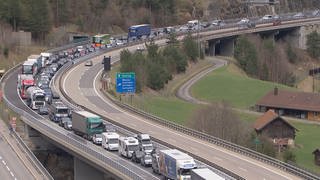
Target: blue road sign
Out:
[126,82]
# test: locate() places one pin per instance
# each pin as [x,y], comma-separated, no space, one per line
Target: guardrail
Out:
[228,145]
[220,142]
[32,158]
[39,124]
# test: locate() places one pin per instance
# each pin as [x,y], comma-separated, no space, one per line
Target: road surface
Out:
[82,85]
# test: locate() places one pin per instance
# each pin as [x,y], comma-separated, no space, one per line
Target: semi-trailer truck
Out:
[138,31]
[174,164]
[35,97]
[204,174]
[86,124]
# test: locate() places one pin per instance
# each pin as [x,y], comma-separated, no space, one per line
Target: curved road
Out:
[183,91]
[82,85]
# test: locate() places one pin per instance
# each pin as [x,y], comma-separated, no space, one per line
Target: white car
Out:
[97,139]
[244,21]
[267,17]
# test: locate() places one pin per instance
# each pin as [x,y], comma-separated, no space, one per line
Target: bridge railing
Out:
[40,124]
[220,142]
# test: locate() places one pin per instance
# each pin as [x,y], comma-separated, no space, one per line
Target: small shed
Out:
[276,128]
[316,154]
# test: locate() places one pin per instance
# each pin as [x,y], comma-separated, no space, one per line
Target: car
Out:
[67,125]
[97,139]
[63,120]
[88,63]
[48,95]
[55,95]
[43,110]
[267,17]
[316,12]
[217,22]
[140,48]
[298,15]
[244,21]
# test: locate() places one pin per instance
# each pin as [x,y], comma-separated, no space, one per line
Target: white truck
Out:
[127,145]
[35,97]
[174,164]
[110,141]
[45,57]
[204,174]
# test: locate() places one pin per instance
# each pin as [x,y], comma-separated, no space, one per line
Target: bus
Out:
[101,39]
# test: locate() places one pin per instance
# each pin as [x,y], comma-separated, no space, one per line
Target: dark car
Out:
[55,95]
[48,95]
[43,110]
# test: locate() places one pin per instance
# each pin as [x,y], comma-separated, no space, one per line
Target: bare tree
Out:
[219,120]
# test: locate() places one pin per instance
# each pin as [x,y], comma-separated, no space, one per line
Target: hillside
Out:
[106,16]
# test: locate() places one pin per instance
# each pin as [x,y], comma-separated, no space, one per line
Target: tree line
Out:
[273,62]
[157,66]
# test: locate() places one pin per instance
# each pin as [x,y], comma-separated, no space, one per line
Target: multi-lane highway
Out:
[82,85]
[14,164]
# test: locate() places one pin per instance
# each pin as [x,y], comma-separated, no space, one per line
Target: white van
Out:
[110,141]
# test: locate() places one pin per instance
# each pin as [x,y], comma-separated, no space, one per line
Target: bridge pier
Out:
[212,47]
[227,47]
[35,140]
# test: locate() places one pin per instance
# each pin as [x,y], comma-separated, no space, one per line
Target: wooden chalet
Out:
[274,127]
[296,104]
[316,154]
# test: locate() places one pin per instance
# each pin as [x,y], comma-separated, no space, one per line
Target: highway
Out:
[13,97]
[13,162]
[82,85]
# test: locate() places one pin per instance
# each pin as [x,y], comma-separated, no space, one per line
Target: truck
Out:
[37,59]
[57,111]
[138,31]
[45,58]
[35,97]
[127,145]
[110,141]
[174,164]
[145,143]
[86,124]
[29,67]
[24,82]
[204,174]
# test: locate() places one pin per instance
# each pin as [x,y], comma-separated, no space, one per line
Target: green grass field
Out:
[307,140]
[240,91]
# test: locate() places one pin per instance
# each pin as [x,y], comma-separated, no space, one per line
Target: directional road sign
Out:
[126,82]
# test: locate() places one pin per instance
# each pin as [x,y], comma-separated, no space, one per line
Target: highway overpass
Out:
[82,87]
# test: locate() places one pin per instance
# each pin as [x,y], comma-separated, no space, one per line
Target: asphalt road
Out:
[184,91]
[82,85]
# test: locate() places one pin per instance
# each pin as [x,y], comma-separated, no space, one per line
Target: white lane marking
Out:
[243,169]
[11,174]
[8,168]
[0,157]
[177,134]
[3,162]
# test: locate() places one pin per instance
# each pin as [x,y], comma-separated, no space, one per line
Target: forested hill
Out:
[114,16]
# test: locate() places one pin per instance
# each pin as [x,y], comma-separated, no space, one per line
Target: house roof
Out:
[316,151]
[266,119]
[291,100]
